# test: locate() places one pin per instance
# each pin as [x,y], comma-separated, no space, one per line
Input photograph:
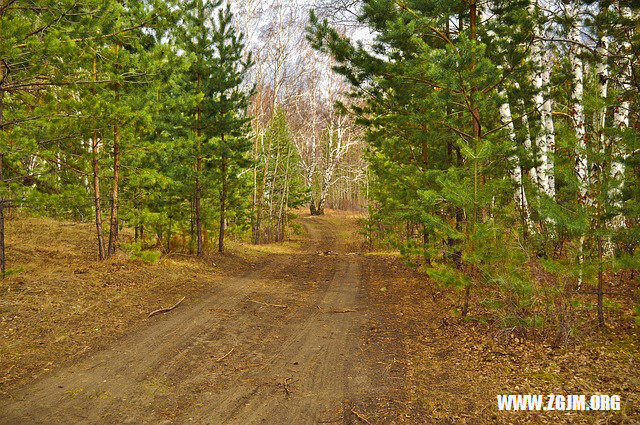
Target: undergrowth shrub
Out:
[147,255]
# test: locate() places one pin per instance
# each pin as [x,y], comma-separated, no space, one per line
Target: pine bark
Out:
[113,224]
[198,188]
[2,247]
[2,201]
[223,199]
[96,177]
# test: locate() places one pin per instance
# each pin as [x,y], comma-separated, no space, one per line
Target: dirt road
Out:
[238,355]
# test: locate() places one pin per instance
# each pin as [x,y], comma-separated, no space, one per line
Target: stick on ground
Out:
[346,310]
[270,305]
[285,384]
[359,416]
[167,309]
[225,356]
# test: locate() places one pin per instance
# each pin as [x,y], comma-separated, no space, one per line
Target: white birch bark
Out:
[602,75]
[577,109]
[533,175]
[541,105]
[516,172]
[621,121]
[549,131]
[545,139]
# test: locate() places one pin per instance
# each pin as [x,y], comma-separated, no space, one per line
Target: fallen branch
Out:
[225,356]
[285,384]
[270,305]
[346,310]
[359,416]
[167,309]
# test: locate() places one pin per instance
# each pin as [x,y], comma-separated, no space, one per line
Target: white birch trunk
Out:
[602,74]
[549,131]
[577,109]
[545,140]
[577,115]
[516,173]
[533,175]
[621,121]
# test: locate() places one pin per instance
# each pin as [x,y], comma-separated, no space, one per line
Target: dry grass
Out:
[251,252]
[455,368]
[62,302]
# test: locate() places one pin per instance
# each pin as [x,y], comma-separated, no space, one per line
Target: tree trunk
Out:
[621,122]
[96,177]
[323,196]
[198,189]
[465,305]
[265,172]
[2,257]
[577,108]
[543,106]
[527,137]
[113,225]
[283,201]
[516,173]
[600,285]
[96,196]
[254,198]
[312,207]
[169,236]
[549,132]
[192,224]
[223,200]
[577,115]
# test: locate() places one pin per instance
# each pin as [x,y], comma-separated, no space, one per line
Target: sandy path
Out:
[291,365]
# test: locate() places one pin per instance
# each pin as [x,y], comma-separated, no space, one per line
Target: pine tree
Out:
[228,105]
[215,103]
[433,122]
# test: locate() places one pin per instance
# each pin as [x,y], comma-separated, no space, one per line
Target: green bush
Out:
[297,229]
[147,255]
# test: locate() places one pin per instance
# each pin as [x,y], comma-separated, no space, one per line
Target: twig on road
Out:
[166,309]
[225,356]
[359,416]
[270,305]
[346,310]
[285,384]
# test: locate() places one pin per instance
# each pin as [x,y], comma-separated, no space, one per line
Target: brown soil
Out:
[228,354]
[363,339]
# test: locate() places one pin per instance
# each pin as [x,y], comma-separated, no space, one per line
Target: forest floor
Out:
[313,330]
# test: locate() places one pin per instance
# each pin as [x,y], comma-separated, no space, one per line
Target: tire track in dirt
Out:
[305,381]
[287,365]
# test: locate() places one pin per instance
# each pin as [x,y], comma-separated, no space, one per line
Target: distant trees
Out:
[293,80]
